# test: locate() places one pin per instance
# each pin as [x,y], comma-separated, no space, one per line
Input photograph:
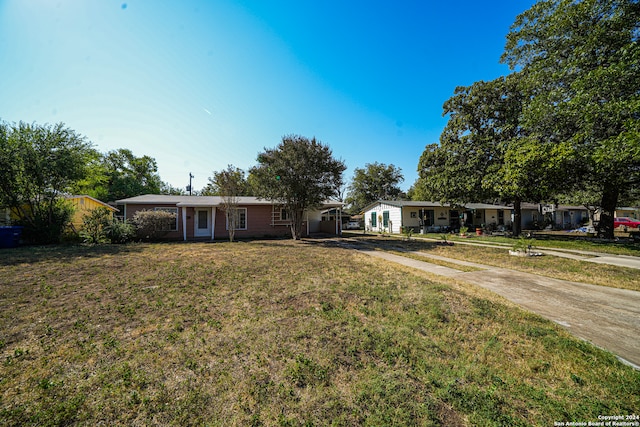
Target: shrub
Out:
[46,222]
[153,224]
[94,225]
[119,231]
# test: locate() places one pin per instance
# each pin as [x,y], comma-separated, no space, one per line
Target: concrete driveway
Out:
[607,317]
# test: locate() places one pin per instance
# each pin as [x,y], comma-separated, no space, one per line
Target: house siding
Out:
[260,222]
[83,206]
[395,217]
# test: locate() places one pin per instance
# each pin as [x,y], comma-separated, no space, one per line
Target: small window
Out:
[414,214]
[385,218]
[174,211]
[241,219]
[283,214]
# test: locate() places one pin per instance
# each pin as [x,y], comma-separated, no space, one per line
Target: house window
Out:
[414,214]
[385,218]
[241,219]
[283,214]
[174,211]
[374,220]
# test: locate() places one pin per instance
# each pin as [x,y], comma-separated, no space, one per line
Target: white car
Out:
[353,225]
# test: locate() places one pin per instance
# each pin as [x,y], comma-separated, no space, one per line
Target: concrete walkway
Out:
[607,317]
[588,256]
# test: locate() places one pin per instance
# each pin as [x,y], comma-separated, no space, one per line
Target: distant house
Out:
[433,216]
[629,212]
[83,205]
[202,217]
[564,217]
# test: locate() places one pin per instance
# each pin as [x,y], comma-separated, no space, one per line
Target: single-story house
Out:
[433,216]
[83,205]
[562,217]
[628,211]
[203,217]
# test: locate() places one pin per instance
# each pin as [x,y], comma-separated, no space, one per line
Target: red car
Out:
[625,222]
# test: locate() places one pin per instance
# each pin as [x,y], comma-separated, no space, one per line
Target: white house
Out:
[433,216]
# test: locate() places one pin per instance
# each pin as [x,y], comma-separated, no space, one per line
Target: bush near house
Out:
[99,226]
[152,225]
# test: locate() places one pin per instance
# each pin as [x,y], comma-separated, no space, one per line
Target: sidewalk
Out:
[607,317]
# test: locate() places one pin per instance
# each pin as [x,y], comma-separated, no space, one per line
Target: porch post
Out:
[213,222]
[184,223]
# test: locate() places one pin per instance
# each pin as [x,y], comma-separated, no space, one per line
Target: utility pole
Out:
[189,186]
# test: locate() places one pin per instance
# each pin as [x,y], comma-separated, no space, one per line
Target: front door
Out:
[202,223]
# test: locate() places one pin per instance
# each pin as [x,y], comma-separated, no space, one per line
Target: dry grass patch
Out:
[279,333]
[550,266]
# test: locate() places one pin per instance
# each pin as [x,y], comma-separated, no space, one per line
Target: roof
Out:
[84,196]
[425,204]
[202,201]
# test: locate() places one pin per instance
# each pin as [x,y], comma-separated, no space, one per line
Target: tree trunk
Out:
[297,216]
[517,217]
[232,222]
[607,211]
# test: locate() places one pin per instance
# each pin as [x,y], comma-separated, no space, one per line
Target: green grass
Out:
[279,333]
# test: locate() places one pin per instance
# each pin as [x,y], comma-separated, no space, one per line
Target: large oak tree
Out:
[300,173]
[580,62]
[485,154]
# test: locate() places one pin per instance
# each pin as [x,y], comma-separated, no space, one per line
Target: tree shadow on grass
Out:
[41,253]
[373,242]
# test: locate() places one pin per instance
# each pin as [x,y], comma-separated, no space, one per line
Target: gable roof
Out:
[84,196]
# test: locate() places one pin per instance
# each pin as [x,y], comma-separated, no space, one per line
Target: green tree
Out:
[229,183]
[581,66]
[231,179]
[119,174]
[39,163]
[130,176]
[300,173]
[166,188]
[376,181]
[485,154]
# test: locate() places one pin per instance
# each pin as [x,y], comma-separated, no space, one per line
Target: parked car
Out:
[625,222]
[353,225]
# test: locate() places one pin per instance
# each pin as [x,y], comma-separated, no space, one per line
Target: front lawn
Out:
[550,266]
[280,333]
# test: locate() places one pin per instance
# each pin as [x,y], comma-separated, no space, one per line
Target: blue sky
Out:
[200,84]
